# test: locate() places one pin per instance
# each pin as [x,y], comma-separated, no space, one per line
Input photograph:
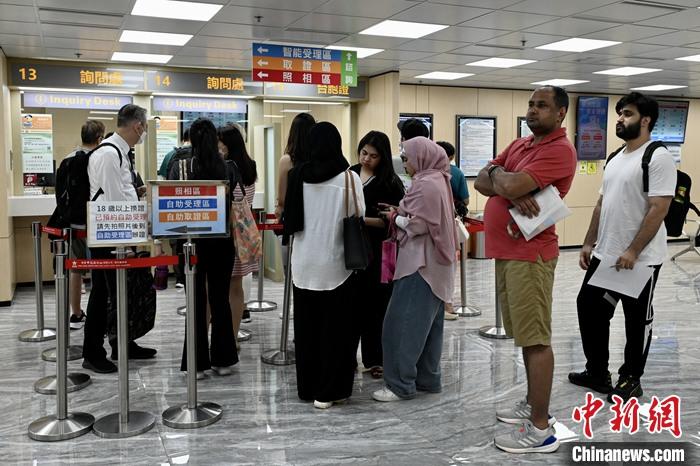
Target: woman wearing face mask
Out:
[232,147]
[214,261]
[424,277]
[380,186]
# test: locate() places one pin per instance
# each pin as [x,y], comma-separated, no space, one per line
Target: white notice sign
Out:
[119,223]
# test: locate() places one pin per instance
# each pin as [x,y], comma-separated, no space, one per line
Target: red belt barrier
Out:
[474,226]
[59,232]
[269,226]
[136,262]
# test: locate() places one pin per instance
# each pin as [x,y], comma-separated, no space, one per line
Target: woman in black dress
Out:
[380,185]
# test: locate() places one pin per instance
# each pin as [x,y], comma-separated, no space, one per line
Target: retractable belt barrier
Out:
[284,356]
[497,331]
[263,224]
[117,264]
[61,233]
[464,309]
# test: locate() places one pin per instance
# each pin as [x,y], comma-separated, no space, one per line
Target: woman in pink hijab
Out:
[424,278]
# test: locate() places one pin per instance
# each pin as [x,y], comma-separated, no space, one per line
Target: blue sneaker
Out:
[528,439]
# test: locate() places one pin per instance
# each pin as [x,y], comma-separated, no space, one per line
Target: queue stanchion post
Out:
[40,333]
[284,356]
[464,309]
[260,305]
[63,425]
[497,331]
[192,414]
[75,352]
[124,423]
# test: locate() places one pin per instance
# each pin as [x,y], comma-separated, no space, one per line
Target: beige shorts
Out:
[525,298]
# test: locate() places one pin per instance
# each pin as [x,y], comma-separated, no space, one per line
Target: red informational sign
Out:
[296,77]
[186,191]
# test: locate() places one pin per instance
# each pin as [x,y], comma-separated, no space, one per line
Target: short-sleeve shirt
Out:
[625,203]
[551,162]
[458,183]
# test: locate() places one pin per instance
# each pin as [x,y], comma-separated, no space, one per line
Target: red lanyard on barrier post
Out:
[113,264]
[59,232]
[269,226]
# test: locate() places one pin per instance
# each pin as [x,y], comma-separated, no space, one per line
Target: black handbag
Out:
[355,240]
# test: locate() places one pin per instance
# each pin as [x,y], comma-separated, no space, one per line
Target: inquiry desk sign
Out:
[117,223]
[194,209]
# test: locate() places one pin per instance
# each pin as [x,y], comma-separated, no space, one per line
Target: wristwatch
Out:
[492,168]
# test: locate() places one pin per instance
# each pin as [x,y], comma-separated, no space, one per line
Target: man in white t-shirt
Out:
[628,227]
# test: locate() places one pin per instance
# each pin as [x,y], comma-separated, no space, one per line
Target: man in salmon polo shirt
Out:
[525,269]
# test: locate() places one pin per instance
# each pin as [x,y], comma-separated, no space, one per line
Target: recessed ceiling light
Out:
[160,38]
[362,52]
[501,62]
[690,57]
[296,110]
[577,44]
[628,71]
[141,57]
[406,29]
[175,9]
[273,116]
[560,82]
[443,75]
[657,87]
[301,102]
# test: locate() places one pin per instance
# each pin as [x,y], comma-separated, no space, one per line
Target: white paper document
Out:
[552,210]
[625,281]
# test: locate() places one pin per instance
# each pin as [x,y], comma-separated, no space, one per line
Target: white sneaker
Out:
[222,371]
[201,375]
[519,413]
[385,395]
[451,316]
[328,404]
[528,439]
[179,285]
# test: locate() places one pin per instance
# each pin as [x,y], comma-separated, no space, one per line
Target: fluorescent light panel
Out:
[559,82]
[302,102]
[446,75]
[175,9]
[409,30]
[628,71]
[295,110]
[690,57]
[657,87]
[362,52]
[141,57]
[501,62]
[160,38]
[273,116]
[576,44]
[103,112]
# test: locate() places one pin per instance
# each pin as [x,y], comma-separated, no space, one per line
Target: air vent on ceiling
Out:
[81,12]
[666,6]
[498,46]
[318,31]
[68,23]
[601,19]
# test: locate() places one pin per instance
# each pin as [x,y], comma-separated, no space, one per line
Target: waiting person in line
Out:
[424,277]
[232,147]
[214,262]
[525,269]
[163,171]
[111,179]
[460,195]
[628,226]
[409,129]
[324,290]
[91,134]
[380,186]
[295,152]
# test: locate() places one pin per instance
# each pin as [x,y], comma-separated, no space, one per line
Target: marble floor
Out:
[264,422]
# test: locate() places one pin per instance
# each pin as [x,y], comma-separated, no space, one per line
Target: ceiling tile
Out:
[69,54]
[20,39]
[17,2]
[146,48]
[16,27]
[515,39]
[670,53]
[82,32]
[96,6]
[25,14]
[445,14]
[425,66]
[23,52]
[293,5]
[368,8]
[556,7]
[402,55]
[333,23]
[466,34]
[453,59]
[375,42]
[570,27]
[201,40]
[428,45]
[51,16]
[78,44]
[687,19]
[628,49]
[246,15]
[241,31]
[677,38]
[493,4]
[303,37]
[627,13]
[508,20]
[179,26]
[214,53]
[628,33]
[482,50]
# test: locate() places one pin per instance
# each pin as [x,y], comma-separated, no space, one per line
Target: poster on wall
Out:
[37,148]
[591,128]
[476,143]
[670,126]
[523,128]
[426,118]
[166,138]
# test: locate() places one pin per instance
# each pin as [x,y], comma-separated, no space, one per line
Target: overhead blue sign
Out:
[78,100]
[194,104]
[295,51]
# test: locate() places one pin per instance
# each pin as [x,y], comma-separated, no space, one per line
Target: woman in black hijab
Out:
[324,289]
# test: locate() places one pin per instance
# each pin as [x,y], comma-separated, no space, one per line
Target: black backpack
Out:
[181,153]
[678,210]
